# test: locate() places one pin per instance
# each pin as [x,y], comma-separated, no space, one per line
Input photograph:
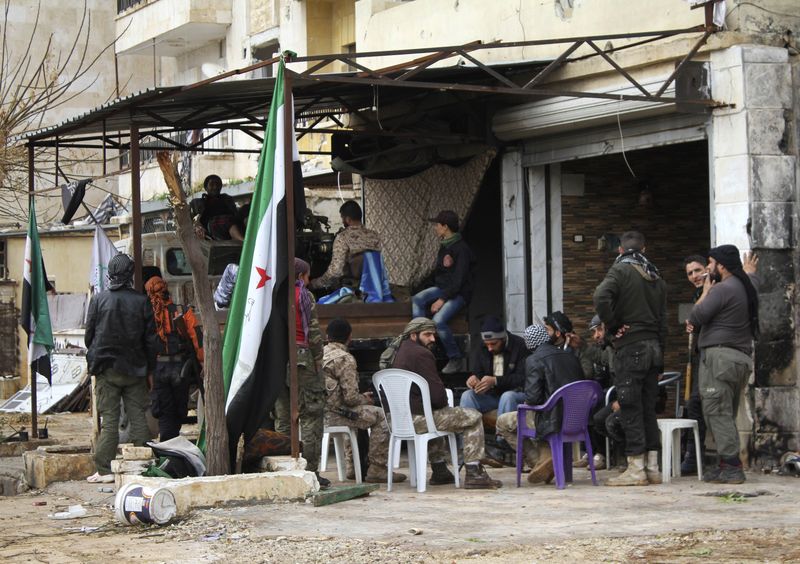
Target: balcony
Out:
[171,27]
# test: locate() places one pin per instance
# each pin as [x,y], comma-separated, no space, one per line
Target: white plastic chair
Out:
[671,447]
[399,444]
[396,387]
[338,433]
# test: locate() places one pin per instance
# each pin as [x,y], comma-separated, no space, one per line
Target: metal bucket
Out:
[137,504]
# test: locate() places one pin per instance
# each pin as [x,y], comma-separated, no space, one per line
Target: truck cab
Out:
[163,255]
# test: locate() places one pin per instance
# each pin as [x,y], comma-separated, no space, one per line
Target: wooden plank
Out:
[335,494]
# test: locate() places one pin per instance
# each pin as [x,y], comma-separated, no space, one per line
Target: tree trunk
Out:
[217,454]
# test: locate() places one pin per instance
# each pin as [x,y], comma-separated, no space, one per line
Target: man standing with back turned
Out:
[632,303]
[727,313]
[121,352]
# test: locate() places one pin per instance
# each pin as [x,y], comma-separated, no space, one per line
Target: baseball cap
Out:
[448,218]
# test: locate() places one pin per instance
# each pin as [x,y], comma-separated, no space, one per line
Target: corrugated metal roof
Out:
[202,105]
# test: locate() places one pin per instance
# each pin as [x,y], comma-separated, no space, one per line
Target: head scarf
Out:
[728,256]
[418,325]
[535,336]
[157,291]
[120,272]
[301,266]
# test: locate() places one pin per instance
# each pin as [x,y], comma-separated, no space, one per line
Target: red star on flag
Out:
[264,277]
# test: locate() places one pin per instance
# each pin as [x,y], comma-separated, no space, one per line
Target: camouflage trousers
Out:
[462,420]
[369,417]
[532,450]
[310,403]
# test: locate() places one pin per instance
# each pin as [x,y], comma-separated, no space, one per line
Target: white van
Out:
[163,251]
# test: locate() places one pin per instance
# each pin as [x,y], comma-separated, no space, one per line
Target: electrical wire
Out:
[622,139]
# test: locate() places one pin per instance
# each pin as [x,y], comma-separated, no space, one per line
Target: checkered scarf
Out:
[535,335]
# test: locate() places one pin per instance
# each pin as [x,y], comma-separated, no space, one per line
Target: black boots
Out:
[441,474]
[729,471]
[477,479]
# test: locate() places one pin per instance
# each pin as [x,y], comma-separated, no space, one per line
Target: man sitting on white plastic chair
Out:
[346,407]
[414,355]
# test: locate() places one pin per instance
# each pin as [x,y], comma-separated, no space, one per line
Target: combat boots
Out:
[380,475]
[634,476]
[651,468]
[543,470]
[478,479]
[441,474]
[729,472]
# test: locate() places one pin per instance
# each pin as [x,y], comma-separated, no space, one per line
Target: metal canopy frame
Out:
[319,97]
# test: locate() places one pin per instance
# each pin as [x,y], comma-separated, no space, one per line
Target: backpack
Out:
[178,340]
[387,356]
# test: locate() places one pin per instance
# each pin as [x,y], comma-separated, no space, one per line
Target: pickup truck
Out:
[374,325]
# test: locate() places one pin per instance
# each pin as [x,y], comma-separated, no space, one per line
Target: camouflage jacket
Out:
[341,378]
[353,241]
[598,364]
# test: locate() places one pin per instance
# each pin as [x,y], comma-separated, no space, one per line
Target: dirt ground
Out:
[686,521]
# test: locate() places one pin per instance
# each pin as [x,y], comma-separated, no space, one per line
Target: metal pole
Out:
[288,132]
[32,373]
[136,201]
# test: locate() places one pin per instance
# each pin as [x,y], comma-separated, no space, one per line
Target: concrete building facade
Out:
[570,172]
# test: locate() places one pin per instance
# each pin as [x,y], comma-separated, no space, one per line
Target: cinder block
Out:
[772,225]
[43,467]
[764,54]
[129,466]
[136,453]
[14,448]
[773,178]
[214,491]
[282,463]
[768,85]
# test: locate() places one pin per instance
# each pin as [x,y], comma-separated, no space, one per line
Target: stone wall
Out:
[754,175]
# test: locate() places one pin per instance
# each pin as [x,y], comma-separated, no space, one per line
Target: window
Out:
[3,269]
[177,265]
[123,5]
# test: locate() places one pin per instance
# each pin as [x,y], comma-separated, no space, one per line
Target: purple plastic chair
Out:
[578,399]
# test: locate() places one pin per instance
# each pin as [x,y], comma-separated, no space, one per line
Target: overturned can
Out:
[137,504]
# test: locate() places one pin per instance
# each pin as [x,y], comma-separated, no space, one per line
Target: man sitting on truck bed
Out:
[348,249]
[218,215]
[452,286]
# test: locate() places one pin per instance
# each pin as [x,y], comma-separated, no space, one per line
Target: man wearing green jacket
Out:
[632,303]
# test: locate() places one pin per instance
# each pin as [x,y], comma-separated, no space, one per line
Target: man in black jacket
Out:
[546,370]
[121,341]
[452,286]
[498,370]
[632,303]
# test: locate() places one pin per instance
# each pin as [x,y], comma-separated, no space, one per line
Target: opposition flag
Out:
[254,352]
[103,250]
[35,318]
